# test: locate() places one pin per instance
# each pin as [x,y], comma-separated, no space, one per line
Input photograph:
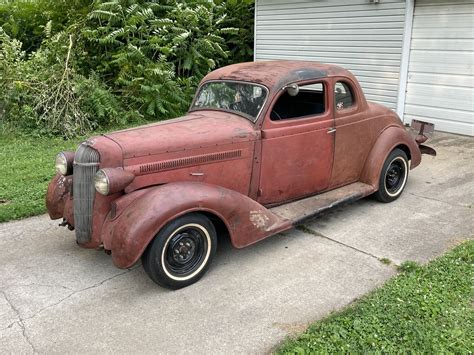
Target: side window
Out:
[343,97]
[309,101]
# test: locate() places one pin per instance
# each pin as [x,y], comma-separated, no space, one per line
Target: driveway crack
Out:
[437,200]
[317,234]
[20,322]
[100,283]
[40,285]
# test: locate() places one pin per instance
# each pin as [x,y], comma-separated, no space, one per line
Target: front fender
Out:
[128,234]
[388,140]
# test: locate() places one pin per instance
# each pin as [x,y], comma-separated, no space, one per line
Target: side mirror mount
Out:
[293,89]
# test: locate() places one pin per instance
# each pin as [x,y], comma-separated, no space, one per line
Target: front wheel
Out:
[181,252]
[393,177]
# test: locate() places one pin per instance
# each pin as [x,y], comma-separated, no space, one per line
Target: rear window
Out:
[343,97]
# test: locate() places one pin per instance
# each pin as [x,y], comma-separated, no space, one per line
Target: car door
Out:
[297,144]
[353,137]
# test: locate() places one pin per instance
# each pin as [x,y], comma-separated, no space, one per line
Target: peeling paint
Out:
[259,219]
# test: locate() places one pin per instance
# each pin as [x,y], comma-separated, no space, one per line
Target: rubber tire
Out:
[382,194]
[151,258]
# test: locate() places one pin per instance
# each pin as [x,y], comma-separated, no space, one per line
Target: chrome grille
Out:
[86,164]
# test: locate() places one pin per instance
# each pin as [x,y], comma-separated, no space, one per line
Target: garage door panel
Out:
[454,33]
[443,57]
[439,113]
[455,98]
[441,44]
[441,68]
[441,91]
[451,21]
[444,103]
[445,125]
[440,73]
[441,79]
[445,9]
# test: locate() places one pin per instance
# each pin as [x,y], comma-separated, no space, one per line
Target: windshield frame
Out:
[244,115]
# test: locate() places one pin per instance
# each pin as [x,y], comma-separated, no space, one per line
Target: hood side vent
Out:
[189,161]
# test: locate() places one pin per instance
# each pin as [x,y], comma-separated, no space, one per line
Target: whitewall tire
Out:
[393,177]
[181,252]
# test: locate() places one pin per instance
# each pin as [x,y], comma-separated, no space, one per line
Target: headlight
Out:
[64,162]
[111,180]
[101,182]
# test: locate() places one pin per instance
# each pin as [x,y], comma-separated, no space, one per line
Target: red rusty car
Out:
[264,146]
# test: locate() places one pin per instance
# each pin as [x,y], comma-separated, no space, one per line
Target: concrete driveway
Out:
[57,297]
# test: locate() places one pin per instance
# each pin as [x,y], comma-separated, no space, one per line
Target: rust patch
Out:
[259,219]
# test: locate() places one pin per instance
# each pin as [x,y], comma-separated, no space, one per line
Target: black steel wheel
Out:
[181,252]
[393,177]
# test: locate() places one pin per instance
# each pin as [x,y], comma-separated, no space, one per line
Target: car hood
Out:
[195,130]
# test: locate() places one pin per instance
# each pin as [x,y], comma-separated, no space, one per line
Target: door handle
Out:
[331,130]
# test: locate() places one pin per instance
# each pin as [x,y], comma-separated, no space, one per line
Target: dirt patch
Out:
[4,201]
[292,328]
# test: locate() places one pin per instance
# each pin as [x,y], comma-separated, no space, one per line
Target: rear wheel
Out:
[181,252]
[393,177]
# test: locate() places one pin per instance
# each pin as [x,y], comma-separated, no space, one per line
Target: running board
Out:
[299,211]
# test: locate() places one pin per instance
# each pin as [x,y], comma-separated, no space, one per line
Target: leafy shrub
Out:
[45,95]
[239,14]
[85,63]
[29,20]
[156,54]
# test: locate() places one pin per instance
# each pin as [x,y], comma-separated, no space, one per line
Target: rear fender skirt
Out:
[129,233]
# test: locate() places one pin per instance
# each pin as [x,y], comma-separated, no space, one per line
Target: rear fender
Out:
[128,234]
[387,141]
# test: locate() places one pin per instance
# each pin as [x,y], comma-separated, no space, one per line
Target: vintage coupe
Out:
[264,146]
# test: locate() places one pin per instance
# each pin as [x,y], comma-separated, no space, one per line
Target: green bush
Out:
[30,20]
[86,64]
[240,15]
[44,95]
[154,54]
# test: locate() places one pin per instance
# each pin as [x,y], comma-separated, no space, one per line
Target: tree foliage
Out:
[99,62]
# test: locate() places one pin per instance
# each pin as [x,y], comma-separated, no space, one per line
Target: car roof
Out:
[277,73]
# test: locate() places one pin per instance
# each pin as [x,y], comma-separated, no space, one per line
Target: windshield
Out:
[243,98]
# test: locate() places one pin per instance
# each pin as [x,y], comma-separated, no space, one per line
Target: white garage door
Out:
[440,85]
[361,36]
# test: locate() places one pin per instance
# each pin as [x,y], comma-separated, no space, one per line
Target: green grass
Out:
[426,309]
[26,167]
